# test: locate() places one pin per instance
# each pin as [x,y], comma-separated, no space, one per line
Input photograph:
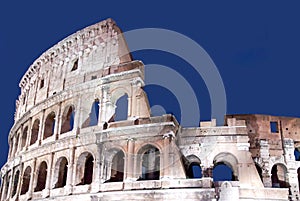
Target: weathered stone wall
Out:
[68,142]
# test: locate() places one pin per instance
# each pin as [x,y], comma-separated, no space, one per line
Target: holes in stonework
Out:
[42,83]
[24,99]
[75,65]
[274,127]
[93,77]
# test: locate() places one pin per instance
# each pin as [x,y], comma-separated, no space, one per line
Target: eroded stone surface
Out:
[68,142]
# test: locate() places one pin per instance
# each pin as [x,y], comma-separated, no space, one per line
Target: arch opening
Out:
[222,172]
[61,169]
[94,115]
[117,167]
[26,180]
[68,120]
[194,171]
[49,125]
[279,176]
[35,131]
[24,137]
[15,183]
[225,167]
[85,167]
[150,163]
[42,177]
[121,111]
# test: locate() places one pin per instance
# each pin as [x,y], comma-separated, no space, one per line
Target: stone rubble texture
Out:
[67,144]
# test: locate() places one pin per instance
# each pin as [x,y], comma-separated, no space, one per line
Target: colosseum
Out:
[69,140]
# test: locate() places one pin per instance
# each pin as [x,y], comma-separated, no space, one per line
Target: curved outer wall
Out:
[69,141]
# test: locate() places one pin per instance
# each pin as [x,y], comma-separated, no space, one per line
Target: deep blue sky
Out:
[254,44]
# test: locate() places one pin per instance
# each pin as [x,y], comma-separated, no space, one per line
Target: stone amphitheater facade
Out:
[69,142]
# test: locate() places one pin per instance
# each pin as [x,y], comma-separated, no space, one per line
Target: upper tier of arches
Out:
[88,54]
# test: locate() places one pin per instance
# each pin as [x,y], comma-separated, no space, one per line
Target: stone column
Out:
[77,112]
[130,160]
[3,189]
[207,171]
[71,169]
[13,148]
[41,128]
[168,156]
[105,106]
[58,121]
[264,154]
[50,168]
[28,133]
[8,195]
[20,148]
[134,101]
[32,182]
[96,172]
[20,181]
[164,169]
[292,174]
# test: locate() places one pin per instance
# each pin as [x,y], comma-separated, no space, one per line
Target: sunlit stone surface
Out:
[83,131]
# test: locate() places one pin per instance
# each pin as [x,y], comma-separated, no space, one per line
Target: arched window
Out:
[279,176]
[15,183]
[42,177]
[225,167]
[26,180]
[194,171]
[85,168]
[68,120]
[150,163]
[121,112]
[222,172]
[35,131]
[49,125]
[61,169]
[117,167]
[24,137]
[192,167]
[94,115]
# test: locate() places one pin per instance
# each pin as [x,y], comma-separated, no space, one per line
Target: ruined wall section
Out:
[86,55]
[273,129]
